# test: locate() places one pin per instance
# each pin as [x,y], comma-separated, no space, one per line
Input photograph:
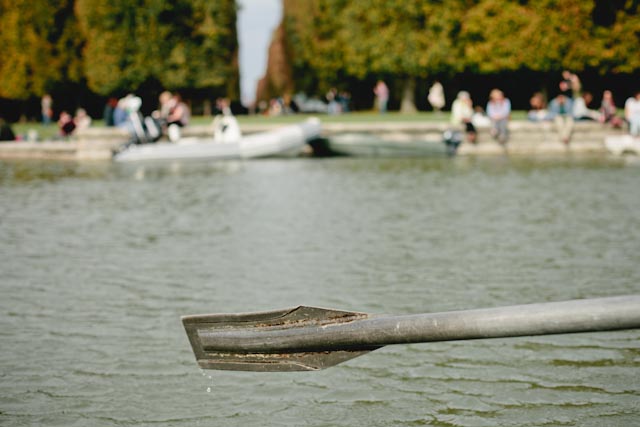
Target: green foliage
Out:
[181,44]
[118,45]
[121,45]
[40,42]
[338,39]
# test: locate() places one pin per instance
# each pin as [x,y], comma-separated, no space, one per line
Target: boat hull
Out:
[369,145]
[284,141]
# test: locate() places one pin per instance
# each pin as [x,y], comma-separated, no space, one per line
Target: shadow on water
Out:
[14,172]
[28,171]
[489,164]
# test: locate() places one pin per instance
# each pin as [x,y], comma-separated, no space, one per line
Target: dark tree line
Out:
[466,43]
[84,50]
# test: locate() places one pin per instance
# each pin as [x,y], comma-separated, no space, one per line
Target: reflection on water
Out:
[16,171]
[99,261]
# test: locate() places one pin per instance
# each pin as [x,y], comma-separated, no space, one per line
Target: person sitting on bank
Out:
[178,117]
[608,110]
[499,111]
[462,114]
[538,111]
[82,119]
[561,109]
[66,124]
[581,109]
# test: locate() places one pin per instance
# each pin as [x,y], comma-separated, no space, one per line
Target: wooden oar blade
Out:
[249,341]
[276,362]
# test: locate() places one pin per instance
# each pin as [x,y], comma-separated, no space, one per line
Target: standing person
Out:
[462,114]
[561,109]
[46,108]
[499,111]
[382,95]
[436,96]
[109,111]
[632,113]
[570,85]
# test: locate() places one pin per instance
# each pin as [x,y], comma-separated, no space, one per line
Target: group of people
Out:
[67,123]
[172,114]
[279,106]
[570,104]
[337,101]
[435,97]
[498,113]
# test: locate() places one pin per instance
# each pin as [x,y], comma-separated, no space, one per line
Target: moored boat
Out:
[390,145]
[285,141]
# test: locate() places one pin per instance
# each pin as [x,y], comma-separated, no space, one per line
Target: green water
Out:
[99,261]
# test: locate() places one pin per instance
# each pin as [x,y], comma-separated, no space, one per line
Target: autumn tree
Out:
[407,40]
[41,45]
[549,35]
[186,45]
[340,40]
[337,41]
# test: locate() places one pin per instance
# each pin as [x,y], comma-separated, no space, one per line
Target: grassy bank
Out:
[51,131]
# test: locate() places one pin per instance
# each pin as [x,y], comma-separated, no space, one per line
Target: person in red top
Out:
[66,124]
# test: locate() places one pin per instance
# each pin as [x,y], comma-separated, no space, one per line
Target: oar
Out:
[310,338]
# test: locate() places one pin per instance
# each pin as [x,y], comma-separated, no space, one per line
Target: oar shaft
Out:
[600,314]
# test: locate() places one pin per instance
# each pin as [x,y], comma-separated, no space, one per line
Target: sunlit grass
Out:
[51,131]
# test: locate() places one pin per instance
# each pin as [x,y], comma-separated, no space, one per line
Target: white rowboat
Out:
[285,141]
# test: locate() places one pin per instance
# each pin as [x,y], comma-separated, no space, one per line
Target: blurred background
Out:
[83,52]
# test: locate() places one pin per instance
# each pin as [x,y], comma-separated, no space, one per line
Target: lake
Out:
[99,261]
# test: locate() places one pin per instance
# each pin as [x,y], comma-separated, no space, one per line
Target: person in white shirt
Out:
[436,96]
[632,113]
[581,110]
[462,114]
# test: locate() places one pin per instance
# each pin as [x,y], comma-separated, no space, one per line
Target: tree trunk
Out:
[206,108]
[408,103]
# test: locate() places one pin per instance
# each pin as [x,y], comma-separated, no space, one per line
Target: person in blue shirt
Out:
[561,110]
[499,111]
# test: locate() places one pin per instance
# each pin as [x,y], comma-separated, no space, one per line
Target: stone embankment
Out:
[526,139]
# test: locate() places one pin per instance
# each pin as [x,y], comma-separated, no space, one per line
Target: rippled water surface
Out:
[98,262]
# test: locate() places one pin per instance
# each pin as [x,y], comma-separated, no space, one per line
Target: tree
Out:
[337,41]
[180,44]
[367,39]
[41,45]
[550,35]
